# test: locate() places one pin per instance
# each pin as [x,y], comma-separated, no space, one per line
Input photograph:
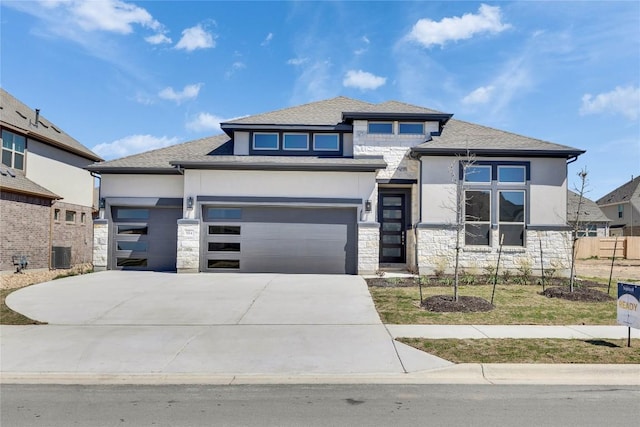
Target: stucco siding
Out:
[60,172]
[142,186]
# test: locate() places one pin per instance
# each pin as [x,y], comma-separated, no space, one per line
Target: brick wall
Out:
[75,234]
[24,229]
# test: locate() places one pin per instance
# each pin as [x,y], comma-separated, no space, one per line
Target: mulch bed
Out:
[465,304]
[582,293]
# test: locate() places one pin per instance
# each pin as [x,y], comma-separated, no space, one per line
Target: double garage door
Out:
[144,238]
[279,240]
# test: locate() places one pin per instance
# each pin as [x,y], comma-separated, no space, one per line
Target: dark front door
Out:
[392,217]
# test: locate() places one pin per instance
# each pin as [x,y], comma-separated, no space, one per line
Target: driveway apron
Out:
[120,322]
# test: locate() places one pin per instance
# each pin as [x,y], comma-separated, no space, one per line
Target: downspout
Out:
[415,226]
[99,178]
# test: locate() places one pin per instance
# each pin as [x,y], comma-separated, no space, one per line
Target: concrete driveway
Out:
[120,322]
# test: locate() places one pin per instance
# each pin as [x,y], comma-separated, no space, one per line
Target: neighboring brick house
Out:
[591,222]
[336,186]
[46,195]
[622,207]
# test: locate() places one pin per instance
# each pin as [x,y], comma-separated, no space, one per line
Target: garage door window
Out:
[136,246]
[224,247]
[126,213]
[131,262]
[133,229]
[223,213]
[223,263]
[225,229]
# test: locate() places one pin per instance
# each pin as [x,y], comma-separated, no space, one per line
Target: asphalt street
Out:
[319,405]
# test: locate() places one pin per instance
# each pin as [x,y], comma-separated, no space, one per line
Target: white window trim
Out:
[410,123]
[277,147]
[464,177]
[524,175]
[327,149]
[381,133]
[284,141]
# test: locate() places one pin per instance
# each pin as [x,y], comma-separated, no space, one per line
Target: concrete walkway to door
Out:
[121,322]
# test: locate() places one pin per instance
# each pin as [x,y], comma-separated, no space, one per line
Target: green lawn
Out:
[514,305]
[530,350]
[10,317]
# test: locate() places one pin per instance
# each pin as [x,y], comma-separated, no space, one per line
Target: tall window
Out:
[620,211]
[495,193]
[13,146]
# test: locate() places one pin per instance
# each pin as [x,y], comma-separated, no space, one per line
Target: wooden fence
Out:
[603,247]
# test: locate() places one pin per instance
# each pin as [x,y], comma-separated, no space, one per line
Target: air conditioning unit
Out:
[60,257]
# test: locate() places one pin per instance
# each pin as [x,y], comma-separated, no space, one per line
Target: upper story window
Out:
[620,211]
[13,146]
[326,142]
[477,174]
[411,128]
[380,127]
[512,174]
[295,141]
[265,141]
[70,216]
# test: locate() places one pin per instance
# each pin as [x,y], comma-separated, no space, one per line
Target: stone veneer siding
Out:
[188,257]
[25,225]
[368,247]
[100,244]
[436,251]
[77,235]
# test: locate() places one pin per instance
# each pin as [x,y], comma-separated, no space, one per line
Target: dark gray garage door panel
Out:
[295,240]
[160,240]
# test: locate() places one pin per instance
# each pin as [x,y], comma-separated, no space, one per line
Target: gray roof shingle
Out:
[15,181]
[624,193]
[589,212]
[15,114]
[460,136]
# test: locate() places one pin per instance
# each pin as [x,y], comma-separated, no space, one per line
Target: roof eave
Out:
[424,151]
[363,167]
[132,170]
[51,196]
[362,115]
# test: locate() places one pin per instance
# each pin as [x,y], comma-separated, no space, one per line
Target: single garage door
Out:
[144,238]
[280,240]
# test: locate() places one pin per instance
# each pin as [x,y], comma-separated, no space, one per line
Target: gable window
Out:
[326,142]
[13,146]
[477,228]
[295,141]
[265,141]
[620,211]
[477,174]
[380,127]
[411,128]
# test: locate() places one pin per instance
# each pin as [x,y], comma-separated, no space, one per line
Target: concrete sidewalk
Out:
[511,331]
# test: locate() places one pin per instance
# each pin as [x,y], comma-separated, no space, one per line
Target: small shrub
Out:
[524,271]
[445,280]
[423,280]
[440,266]
[489,273]
[468,279]
[506,276]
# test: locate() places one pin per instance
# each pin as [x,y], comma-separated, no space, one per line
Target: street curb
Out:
[466,373]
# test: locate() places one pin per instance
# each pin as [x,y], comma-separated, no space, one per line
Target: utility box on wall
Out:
[60,257]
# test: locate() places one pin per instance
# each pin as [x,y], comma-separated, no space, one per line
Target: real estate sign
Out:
[629,305]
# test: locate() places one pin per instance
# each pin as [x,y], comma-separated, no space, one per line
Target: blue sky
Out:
[128,76]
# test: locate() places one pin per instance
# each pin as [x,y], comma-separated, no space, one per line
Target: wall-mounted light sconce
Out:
[367,206]
[101,203]
[189,202]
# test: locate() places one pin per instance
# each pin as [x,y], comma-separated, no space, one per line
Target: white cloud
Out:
[195,38]
[267,39]
[297,61]
[622,100]
[429,33]
[109,15]
[132,144]
[189,92]
[481,95]
[158,39]
[205,122]
[362,80]
[236,66]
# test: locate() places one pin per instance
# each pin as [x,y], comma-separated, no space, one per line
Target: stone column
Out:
[100,244]
[188,257]
[368,247]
